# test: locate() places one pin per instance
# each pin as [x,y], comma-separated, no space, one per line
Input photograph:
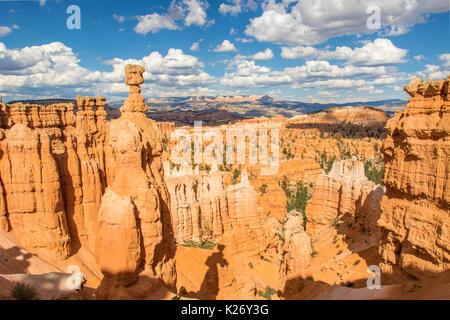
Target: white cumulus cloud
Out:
[310,22]
[263,55]
[4,31]
[299,52]
[196,12]
[312,74]
[244,40]
[234,7]
[193,12]
[54,69]
[153,23]
[419,57]
[435,72]
[118,18]
[379,52]
[195,46]
[446,59]
[225,46]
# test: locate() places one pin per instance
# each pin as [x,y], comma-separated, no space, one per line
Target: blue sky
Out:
[309,50]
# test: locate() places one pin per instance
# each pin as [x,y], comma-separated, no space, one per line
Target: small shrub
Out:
[288,153]
[325,163]
[265,259]
[22,291]
[335,222]
[313,251]
[415,287]
[280,237]
[374,171]
[263,189]
[204,244]
[165,141]
[297,198]
[236,174]
[356,262]
[267,294]
[250,265]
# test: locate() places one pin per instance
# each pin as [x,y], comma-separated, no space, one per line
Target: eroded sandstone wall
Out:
[415,218]
[344,193]
[204,208]
[52,175]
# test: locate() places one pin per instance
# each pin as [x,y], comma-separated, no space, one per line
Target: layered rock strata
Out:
[415,218]
[344,193]
[52,177]
[203,208]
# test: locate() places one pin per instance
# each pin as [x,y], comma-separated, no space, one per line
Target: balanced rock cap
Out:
[133,77]
[133,74]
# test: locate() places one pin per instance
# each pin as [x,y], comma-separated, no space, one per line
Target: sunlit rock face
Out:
[71,180]
[203,208]
[295,254]
[344,193]
[415,218]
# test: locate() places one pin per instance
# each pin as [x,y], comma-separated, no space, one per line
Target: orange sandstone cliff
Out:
[415,219]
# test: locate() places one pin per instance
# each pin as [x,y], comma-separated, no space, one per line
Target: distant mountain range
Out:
[256,106]
[219,99]
[218,110]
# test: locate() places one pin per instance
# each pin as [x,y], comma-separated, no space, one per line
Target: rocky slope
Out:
[415,209]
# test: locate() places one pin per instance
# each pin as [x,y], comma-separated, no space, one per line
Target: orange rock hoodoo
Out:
[295,254]
[415,219]
[75,180]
